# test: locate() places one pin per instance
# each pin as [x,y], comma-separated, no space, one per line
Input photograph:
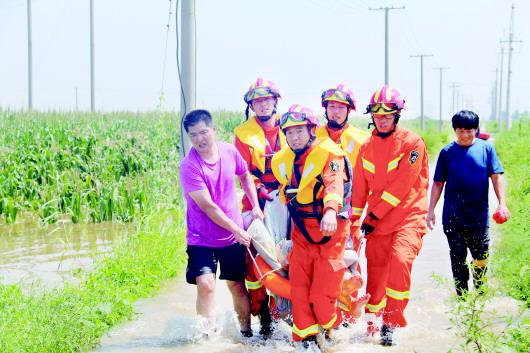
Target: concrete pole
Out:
[441,91]
[422,117]
[92,89]
[30,58]
[188,69]
[499,121]
[510,51]
[386,37]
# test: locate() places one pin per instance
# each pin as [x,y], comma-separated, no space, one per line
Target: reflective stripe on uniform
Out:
[356,211]
[391,199]
[331,322]
[373,308]
[311,330]
[395,294]
[393,164]
[333,197]
[368,166]
[253,285]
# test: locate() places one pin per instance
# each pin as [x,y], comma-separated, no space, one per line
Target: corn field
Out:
[89,167]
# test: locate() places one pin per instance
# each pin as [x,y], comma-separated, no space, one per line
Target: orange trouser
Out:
[256,289]
[390,258]
[315,273]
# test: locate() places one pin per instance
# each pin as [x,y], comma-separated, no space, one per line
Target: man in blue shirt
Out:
[465,167]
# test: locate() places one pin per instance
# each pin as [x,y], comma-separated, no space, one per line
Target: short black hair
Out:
[196,116]
[465,119]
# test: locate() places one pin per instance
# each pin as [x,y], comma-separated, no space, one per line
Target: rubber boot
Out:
[265,318]
[386,335]
[306,342]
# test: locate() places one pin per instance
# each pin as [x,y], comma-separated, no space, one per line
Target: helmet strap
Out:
[332,124]
[247,111]
[386,134]
[300,151]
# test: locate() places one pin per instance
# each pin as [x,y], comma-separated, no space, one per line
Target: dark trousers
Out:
[477,241]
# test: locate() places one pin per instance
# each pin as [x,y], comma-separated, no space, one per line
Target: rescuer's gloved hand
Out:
[263,194]
[369,223]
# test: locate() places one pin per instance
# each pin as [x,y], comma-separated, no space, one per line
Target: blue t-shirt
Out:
[466,172]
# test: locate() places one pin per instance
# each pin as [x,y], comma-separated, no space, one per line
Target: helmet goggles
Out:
[260,92]
[382,108]
[336,95]
[290,119]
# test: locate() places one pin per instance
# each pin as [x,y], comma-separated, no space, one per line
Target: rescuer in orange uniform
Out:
[338,102]
[311,173]
[258,139]
[391,175]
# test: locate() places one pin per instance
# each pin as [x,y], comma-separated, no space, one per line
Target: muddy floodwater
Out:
[49,255]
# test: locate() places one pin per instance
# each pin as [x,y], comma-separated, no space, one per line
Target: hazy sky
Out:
[305,46]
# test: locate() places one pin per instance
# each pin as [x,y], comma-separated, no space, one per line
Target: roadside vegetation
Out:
[123,167]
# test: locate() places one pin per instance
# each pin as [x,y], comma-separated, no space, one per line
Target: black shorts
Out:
[202,260]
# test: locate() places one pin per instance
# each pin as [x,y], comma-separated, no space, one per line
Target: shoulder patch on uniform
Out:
[334,166]
[413,157]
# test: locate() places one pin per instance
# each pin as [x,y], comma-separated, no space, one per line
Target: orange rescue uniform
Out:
[391,175]
[350,139]
[315,270]
[257,145]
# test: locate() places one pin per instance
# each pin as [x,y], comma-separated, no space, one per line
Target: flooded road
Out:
[167,322]
[51,254]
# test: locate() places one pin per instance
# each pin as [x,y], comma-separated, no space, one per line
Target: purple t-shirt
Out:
[218,179]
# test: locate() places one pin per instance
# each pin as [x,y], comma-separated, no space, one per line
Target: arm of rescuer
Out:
[359,189]
[436,192]
[248,186]
[333,176]
[245,152]
[406,175]
[204,200]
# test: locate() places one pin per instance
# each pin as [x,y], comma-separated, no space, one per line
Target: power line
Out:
[421,56]
[454,85]
[386,8]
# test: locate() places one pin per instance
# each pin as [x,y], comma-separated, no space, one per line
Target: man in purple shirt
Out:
[215,231]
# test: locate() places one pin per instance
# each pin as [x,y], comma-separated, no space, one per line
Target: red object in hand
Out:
[500,217]
[483,135]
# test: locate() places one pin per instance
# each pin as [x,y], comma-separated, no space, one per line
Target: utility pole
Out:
[499,118]
[421,56]
[76,100]
[510,50]
[454,85]
[30,58]
[386,35]
[441,90]
[494,95]
[92,99]
[188,70]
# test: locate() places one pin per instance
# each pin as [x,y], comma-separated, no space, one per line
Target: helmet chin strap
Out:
[332,124]
[386,134]
[300,151]
[264,118]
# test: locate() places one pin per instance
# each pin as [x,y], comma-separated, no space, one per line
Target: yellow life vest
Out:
[282,167]
[251,134]
[350,141]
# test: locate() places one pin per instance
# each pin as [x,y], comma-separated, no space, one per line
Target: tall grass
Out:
[73,318]
[511,263]
[91,167]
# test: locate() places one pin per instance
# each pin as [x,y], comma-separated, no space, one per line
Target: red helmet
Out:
[341,94]
[298,116]
[261,88]
[386,100]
